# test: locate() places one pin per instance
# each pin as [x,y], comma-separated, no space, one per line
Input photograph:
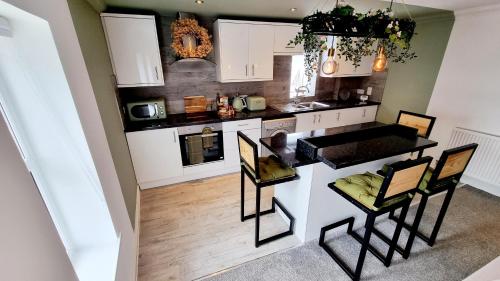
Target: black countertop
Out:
[346,146]
[185,119]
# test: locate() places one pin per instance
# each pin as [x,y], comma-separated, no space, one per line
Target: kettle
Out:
[239,103]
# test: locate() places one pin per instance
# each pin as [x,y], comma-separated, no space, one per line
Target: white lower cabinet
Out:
[251,128]
[155,154]
[334,118]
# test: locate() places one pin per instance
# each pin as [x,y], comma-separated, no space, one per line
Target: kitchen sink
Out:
[301,106]
[311,105]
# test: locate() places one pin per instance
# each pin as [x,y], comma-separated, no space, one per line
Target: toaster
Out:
[255,103]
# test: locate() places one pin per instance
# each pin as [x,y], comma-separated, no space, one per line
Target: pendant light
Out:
[380,62]
[330,66]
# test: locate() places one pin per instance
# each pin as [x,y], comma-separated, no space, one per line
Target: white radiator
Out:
[484,169]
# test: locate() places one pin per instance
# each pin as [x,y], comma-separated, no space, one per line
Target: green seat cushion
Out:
[423,183]
[364,188]
[271,168]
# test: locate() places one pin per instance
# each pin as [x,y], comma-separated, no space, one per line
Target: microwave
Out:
[146,110]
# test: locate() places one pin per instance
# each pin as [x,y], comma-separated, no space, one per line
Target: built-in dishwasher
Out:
[201,144]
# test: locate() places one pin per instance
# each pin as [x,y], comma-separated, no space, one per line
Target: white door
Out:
[306,122]
[155,154]
[329,119]
[282,36]
[368,113]
[261,44]
[233,40]
[134,50]
[231,150]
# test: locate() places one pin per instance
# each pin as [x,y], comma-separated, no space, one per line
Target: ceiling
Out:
[451,4]
[270,8]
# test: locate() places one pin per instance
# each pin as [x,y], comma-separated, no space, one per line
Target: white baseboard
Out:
[190,177]
[479,184]
[137,229]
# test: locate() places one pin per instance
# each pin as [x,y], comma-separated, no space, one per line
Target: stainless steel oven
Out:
[201,144]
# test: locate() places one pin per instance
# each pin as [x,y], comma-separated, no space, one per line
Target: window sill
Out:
[96,263]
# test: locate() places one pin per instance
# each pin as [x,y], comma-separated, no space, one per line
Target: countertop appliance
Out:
[275,126]
[255,103]
[201,143]
[152,109]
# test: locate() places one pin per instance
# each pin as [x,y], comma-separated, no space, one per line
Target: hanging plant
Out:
[357,33]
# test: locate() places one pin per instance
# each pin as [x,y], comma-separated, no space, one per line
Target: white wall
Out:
[467,90]
[57,13]
[29,243]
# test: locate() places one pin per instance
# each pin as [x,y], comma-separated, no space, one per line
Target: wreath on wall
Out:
[189,39]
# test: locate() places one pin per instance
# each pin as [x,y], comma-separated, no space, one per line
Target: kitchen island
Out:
[322,156]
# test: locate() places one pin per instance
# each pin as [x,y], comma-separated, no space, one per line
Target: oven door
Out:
[201,148]
[144,111]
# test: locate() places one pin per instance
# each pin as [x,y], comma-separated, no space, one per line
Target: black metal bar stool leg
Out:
[257,217]
[440,217]
[395,237]
[414,227]
[370,221]
[242,204]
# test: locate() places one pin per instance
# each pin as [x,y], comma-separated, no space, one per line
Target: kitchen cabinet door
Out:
[368,113]
[134,50]
[231,42]
[231,150]
[329,119]
[306,122]
[261,44]
[282,36]
[155,154]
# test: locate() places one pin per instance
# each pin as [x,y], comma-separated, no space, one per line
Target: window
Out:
[298,79]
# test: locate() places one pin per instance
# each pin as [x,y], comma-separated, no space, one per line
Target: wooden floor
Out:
[193,229]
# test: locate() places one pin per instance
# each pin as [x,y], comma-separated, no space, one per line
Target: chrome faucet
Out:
[298,92]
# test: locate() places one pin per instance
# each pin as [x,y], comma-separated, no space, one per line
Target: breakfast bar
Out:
[322,156]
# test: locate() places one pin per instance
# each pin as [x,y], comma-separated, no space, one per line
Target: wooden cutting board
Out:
[195,104]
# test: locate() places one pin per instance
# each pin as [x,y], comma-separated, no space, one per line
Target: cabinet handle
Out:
[364,112]
[289,47]
[314,121]
[246,69]
[156,71]
[338,116]
[241,125]
[175,139]
[319,119]
[253,69]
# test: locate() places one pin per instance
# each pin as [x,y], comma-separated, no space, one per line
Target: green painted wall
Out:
[409,86]
[92,41]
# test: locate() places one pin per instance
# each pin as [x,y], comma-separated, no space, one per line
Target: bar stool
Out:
[445,177]
[423,123]
[376,195]
[263,172]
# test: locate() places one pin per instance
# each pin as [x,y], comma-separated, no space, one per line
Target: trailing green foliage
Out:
[356,35]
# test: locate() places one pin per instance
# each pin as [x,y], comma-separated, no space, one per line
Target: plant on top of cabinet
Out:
[134,50]
[185,34]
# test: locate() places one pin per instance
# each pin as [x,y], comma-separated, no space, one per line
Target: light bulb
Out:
[330,66]
[380,62]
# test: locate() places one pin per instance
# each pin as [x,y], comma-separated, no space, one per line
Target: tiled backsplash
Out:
[199,78]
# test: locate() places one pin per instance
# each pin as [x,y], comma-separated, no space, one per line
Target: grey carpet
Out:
[469,239]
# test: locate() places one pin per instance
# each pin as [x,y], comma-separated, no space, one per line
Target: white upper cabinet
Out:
[134,50]
[283,33]
[346,68]
[260,55]
[243,51]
